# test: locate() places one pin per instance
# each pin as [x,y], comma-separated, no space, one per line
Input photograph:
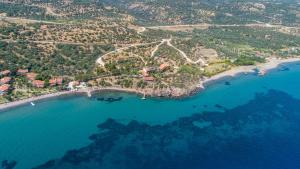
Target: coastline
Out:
[17,103]
[87,91]
[271,63]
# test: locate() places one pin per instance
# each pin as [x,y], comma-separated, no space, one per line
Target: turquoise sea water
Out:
[33,135]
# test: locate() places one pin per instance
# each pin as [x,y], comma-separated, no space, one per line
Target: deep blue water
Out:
[249,123]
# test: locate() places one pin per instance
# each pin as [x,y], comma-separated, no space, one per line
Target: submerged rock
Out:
[100,99]
[220,107]
[110,99]
[205,140]
[284,68]
[227,83]
[8,164]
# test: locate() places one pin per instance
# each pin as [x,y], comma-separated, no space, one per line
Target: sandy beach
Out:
[87,91]
[33,99]
[271,63]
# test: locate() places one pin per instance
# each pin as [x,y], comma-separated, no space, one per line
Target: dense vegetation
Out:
[65,38]
[24,10]
[58,9]
[247,45]
[162,11]
[62,60]
[214,11]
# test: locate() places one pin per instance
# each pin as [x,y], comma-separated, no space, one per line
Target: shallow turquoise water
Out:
[33,135]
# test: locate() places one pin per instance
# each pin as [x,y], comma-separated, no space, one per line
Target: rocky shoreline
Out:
[272,63]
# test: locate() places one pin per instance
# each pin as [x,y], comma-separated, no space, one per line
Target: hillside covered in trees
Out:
[46,45]
[155,12]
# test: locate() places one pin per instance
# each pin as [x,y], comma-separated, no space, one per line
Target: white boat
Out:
[144,97]
[261,72]
[32,104]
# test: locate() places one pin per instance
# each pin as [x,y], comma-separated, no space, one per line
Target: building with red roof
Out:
[38,83]
[52,82]
[4,89]
[59,80]
[43,27]
[22,71]
[73,85]
[5,73]
[163,67]
[144,72]
[149,78]
[56,81]
[31,76]
[5,80]
[147,70]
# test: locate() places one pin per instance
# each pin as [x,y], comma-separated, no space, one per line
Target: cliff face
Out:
[171,92]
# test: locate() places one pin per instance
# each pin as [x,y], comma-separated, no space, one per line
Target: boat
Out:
[261,72]
[144,97]
[32,104]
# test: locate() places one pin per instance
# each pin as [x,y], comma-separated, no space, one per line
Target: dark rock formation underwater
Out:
[262,134]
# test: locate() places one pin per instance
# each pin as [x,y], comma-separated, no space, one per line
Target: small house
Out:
[38,83]
[52,82]
[144,73]
[149,79]
[163,67]
[44,27]
[147,70]
[56,81]
[72,85]
[4,89]
[22,71]
[268,37]
[31,76]
[5,80]
[5,73]
[150,69]
[59,80]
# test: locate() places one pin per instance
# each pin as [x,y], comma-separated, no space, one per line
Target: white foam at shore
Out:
[270,64]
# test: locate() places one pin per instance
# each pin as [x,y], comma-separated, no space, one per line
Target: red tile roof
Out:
[147,70]
[4,88]
[149,78]
[59,80]
[56,81]
[52,82]
[44,27]
[5,80]
[5,72]
[31,76]
[38,83]
[22,71]
[163,66]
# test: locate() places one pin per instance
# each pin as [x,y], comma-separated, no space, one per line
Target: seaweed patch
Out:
[8,164]
[242,136]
